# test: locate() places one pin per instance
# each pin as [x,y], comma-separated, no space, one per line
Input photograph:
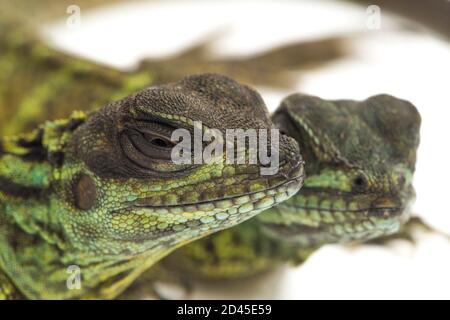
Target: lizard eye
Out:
[138,145]
[149,145]
[360,182]
[161,143]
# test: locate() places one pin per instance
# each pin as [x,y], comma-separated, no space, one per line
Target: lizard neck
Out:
[31,239]
[34,249]
[25,185]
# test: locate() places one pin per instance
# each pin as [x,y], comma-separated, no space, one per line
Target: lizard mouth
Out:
[275,189]
[381,212]
[322,226]
[184,222]
[279,193]
[386,212]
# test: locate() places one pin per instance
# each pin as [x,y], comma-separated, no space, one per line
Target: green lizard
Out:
[100,191]
[40,83]
[53,80]
[360,159]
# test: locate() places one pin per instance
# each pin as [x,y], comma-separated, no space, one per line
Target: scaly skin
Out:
[56,83]
[360,159]
[101,192]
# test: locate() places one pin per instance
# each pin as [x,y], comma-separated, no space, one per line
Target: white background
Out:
[410,65]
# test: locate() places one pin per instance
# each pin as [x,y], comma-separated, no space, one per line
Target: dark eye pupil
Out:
[360,182]
[160,143]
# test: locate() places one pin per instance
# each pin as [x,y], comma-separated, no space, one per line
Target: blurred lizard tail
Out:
[276,67]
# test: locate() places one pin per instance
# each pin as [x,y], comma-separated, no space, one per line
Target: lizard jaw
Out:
[172,223]
[358,228]
[290,187]
[316,226]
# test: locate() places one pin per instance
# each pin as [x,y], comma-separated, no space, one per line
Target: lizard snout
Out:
[386,207]
[291,160]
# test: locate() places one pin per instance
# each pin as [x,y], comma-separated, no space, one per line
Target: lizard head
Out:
[360,159]
[123,192]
